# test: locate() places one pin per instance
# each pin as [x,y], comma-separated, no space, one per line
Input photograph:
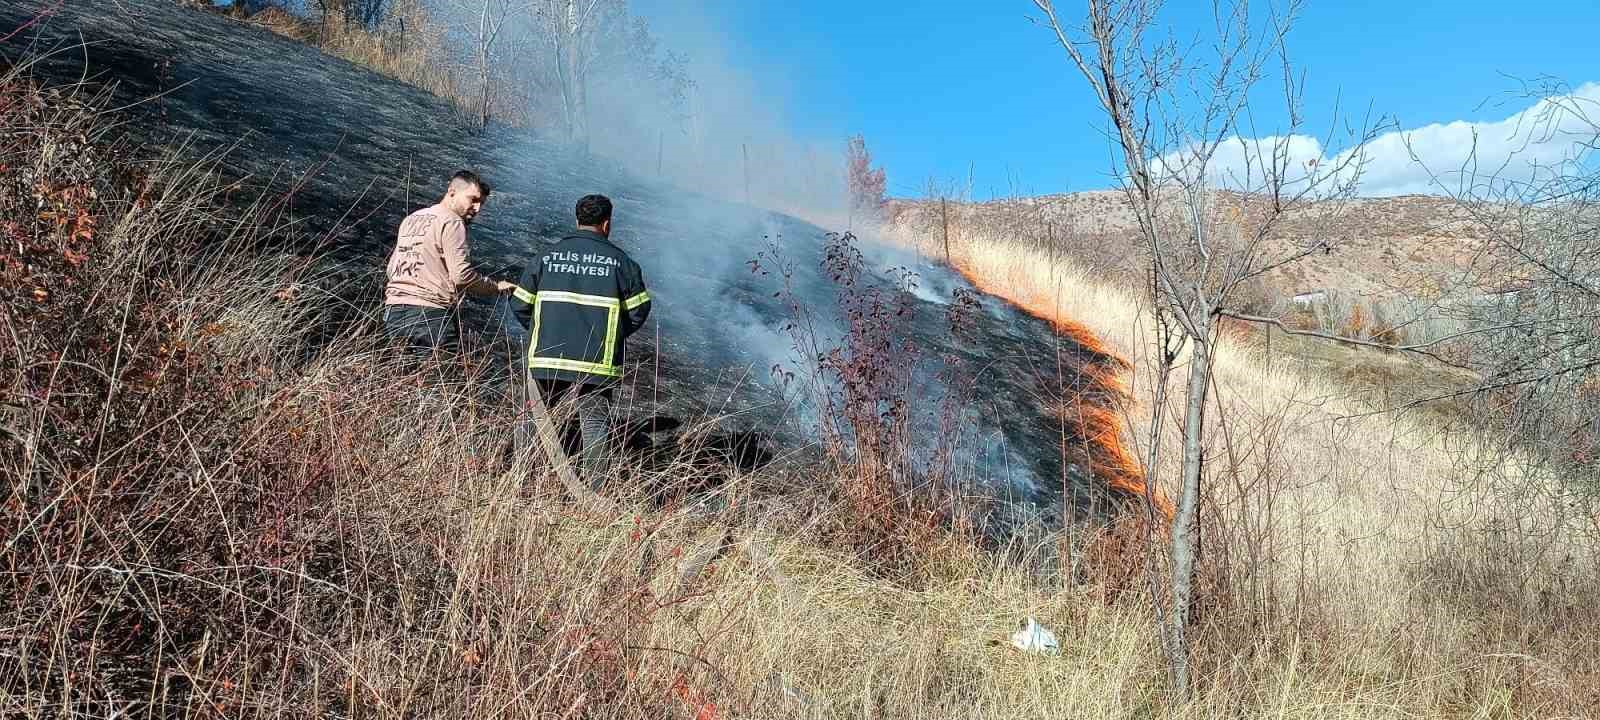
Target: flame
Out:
[1097,422]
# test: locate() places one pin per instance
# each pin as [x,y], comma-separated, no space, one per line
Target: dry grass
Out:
[1399,558]
[208,511]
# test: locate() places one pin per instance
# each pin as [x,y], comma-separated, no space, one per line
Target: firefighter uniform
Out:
[579,300]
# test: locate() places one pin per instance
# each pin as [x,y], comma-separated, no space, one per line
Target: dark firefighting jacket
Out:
[580,299]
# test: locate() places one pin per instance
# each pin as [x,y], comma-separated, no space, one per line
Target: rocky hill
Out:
[1381,245]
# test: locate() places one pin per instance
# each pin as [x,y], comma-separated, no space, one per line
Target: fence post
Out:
[1268,326]
[944,215]
[1050,239]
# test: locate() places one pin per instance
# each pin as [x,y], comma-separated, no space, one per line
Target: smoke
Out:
[731,139]
[710,201]
[931,281]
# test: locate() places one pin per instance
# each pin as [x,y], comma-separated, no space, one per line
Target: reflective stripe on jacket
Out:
[580,300]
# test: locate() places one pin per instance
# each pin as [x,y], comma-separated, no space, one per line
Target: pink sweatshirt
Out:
[429,265]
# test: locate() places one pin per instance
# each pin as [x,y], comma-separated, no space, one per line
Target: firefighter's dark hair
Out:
[593,210]
[471,178]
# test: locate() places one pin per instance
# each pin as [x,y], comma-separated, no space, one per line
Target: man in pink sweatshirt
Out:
[430,268]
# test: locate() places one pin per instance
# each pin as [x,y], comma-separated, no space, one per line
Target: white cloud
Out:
[1240,162]
[1429,159]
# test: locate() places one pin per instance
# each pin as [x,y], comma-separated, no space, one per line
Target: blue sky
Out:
[939,87]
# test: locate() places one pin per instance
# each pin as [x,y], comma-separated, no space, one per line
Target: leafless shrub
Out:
[1538,345]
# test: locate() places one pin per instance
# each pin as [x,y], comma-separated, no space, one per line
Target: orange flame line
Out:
[1114,461]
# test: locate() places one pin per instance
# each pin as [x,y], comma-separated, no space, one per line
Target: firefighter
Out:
[430,268]
[579,300]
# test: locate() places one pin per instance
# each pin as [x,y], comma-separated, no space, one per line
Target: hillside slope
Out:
[346,153]
[1381,245]
[198,520]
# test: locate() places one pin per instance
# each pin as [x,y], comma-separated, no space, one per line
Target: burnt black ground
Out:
[359,151]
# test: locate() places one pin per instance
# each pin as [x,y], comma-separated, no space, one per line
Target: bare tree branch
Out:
[1170,115]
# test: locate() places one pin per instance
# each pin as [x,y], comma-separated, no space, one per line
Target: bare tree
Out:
[487,24]
[367,14]
[1170,110]
[573,30]
[364,14]
[1531,309]
[585,44]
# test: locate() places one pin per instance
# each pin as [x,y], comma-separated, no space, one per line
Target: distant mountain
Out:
[1379,245]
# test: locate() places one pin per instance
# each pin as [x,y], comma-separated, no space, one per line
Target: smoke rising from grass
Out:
[733,139]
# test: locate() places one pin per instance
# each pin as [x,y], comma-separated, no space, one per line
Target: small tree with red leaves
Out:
[867,185]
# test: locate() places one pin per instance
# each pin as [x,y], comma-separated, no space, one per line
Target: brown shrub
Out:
[207,514]
[895,508]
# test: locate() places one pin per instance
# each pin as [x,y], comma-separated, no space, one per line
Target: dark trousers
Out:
[581,413]
[423,330]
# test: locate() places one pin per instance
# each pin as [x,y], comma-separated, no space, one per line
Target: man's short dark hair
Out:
[471,178]
[593,210]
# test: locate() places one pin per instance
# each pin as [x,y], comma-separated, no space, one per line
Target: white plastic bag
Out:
[1033,637]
